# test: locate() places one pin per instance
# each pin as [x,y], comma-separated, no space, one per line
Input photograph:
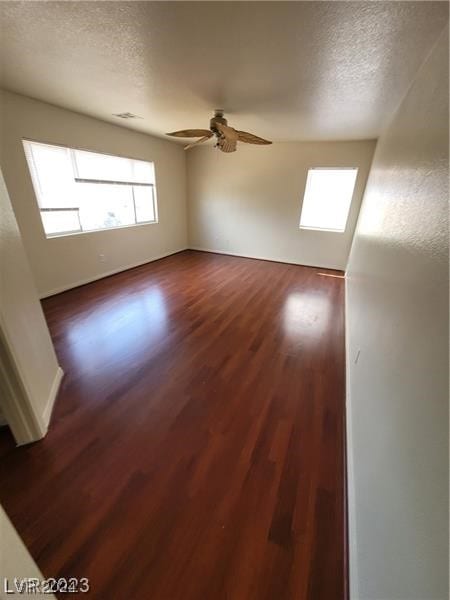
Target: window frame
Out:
[327,229]
[35,178]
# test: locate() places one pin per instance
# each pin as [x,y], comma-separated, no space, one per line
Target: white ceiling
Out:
[283,70]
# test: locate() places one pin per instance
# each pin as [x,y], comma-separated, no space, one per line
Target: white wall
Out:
[15,561]
[397,319]
[249,202]
[64,262]
[23,329]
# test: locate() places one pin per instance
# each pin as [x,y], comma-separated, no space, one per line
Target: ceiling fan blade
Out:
[249,138]
[228,132]
[200,141]
[191,133]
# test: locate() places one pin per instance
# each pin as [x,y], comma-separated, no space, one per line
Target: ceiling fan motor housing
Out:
[218,118]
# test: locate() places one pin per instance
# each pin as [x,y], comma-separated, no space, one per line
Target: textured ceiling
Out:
[284,70]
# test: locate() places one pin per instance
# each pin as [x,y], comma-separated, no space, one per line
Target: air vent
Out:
[126,115]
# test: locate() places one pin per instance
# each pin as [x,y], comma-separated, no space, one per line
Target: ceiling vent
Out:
[127,115]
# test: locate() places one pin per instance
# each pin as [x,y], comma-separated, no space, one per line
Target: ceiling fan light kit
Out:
[226,137]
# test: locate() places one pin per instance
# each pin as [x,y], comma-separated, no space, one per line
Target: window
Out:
[81,191]
[327,200]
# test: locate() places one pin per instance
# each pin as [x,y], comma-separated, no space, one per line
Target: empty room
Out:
[224,316]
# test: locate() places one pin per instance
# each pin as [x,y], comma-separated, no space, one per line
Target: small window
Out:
[327,200]
[79,191]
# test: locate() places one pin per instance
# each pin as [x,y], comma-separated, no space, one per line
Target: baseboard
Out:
[81,282]
[351,542]
[47,414]
[265,258]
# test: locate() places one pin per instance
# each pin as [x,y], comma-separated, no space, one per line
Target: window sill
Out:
[322,229]
[77,233]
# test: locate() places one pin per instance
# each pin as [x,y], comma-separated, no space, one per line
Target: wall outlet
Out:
[102,257]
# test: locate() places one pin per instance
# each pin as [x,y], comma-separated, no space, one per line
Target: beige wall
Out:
[397,360]
[63,262]
[229,210]
[16,561]
[24,336]
[249,202]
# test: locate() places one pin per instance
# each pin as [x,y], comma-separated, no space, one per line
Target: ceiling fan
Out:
[226,137]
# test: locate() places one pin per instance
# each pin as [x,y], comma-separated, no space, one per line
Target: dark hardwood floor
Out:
[196,447]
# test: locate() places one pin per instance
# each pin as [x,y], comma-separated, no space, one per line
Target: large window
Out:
[81,191]
[327,200]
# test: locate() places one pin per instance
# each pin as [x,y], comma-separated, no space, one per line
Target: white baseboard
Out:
[47,414]
[80,282]
[75,284]
[351,499]
[257,257]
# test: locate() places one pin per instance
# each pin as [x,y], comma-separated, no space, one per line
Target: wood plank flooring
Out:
[196,448]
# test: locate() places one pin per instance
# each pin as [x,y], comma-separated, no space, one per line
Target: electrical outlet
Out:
[102,258]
